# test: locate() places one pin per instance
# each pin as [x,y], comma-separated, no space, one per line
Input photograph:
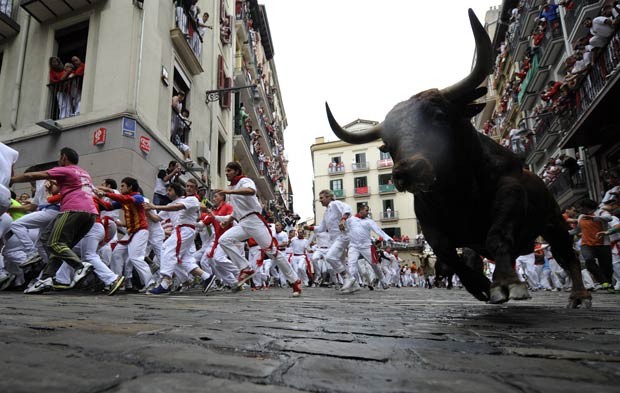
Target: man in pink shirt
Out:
[77,216]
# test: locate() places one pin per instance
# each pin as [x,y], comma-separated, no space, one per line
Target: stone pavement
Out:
[400,340]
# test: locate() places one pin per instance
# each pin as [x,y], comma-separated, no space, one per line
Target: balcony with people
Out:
[8,22]
[386,184]
[187,34]
[576,11]
[335,168]
[45,11]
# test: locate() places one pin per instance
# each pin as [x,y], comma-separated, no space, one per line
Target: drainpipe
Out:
[20,73]
[135,100]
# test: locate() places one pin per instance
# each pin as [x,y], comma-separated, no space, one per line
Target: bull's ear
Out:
[473,95]
[472,110]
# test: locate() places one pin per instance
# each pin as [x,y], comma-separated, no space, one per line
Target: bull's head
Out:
[424,133]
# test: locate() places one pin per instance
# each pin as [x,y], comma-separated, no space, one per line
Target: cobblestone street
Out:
[400,340]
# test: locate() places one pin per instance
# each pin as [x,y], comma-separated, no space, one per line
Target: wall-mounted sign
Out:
[129,127]
[99,136]
[145,144]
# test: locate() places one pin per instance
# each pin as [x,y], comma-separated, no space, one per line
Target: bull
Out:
[468,190]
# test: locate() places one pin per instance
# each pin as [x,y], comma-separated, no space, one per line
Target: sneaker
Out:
[158,290]
[296,288]
[115,285]
[36,258]
[244,275]
[208,283]
[348,283]
[384,285]
[353,288]
[6,279]
[82,272]
[40,286]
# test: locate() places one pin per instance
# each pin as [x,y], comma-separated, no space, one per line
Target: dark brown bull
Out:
[470,191]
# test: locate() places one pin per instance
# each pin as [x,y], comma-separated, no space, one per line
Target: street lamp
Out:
[216,95]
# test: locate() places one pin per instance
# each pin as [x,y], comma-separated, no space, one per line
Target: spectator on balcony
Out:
[569,164]
[551,92]
[549,13]
[243,115]
[602,28]
[177,101]
[388,212]
[57,70]
[202,24]
[612,178]
[76,86]
[64,93]
[518,138]
[225,31]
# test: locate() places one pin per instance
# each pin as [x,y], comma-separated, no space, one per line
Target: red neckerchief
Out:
[236,179]
[358,216]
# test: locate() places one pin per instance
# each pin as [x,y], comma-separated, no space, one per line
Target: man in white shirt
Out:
[334,223]
[299,259]
[358,229]
[246,210]
[177,249]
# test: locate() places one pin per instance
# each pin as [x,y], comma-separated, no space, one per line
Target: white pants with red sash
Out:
[129,254]
[254,226]
[176,252]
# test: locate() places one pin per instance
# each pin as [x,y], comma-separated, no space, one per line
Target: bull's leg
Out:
[475,282]
[508,218]
[561,247]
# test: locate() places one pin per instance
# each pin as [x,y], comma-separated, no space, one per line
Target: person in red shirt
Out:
[57,70]
[130,251]
[79,66]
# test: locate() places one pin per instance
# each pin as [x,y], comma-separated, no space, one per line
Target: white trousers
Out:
[220,265]
[253,226]
[335,254]
[127,257]
[35,220]
[176,252]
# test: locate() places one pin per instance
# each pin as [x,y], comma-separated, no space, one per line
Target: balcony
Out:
[8,25]
[335,169]
[180,128]
[387,189]
[567,189]
[389,215]
[253,167]
[49,10]
[360,166]
[546,131]
[574,18]
[187,40]
[386,163]
[338,194]
[552,45]
[361,191]
[65,97]
[529,14]
[590,119]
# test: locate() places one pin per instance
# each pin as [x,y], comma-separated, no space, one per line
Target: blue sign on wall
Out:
[129,127]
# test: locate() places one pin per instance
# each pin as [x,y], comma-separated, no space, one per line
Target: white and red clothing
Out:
[299,259]
[338,239]
[358,230]
[8,158]
[251,225]
[177,249]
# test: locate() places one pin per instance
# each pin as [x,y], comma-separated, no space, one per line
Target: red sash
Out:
[179,240]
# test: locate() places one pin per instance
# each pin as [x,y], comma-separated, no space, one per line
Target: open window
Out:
[180,120]
[66,73]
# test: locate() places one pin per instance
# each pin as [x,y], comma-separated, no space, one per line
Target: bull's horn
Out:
[482,68]
[365,136]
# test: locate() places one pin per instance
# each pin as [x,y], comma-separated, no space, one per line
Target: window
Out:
[221,160]
[384,155]
[388,204]
[393,232]
[223,82]
[336,159]
[385,179]
[335,185]
[361,182]
[180,117]
[360,158]
[67,71]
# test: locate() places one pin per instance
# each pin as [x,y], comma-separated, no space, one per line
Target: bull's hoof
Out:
[518,292]
[580,298]
[499,295]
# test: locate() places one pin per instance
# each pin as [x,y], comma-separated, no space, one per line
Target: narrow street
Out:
[400,340]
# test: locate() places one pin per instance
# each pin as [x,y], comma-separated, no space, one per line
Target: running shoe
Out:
[40,286]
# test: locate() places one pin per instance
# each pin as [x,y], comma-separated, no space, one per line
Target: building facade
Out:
[552,93]
[117,110]
[362,175]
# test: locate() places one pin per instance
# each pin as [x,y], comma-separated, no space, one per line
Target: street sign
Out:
[129,127]
[99,136]
[145,144]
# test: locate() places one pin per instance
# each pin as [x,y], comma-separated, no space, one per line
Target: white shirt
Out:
[359,231]
[8,158]
[299,246]
[331,220]
[244,204]
[282,239]
[608,195]
[189,215]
